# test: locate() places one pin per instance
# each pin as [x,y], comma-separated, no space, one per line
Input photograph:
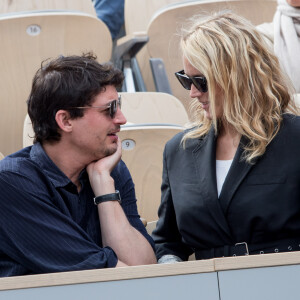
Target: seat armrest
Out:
[160,76]
[128,46]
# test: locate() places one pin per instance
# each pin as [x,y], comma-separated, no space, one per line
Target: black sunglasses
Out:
[199,82]
[112,106]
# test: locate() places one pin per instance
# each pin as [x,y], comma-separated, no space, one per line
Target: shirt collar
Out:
[39,156]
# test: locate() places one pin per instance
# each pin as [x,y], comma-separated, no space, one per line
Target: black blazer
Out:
[259,203]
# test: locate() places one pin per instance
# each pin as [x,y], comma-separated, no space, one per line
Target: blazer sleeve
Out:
[166,236]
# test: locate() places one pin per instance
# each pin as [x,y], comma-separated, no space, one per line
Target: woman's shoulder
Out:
[176,142]
[291,125]
[291,120]
[177,138]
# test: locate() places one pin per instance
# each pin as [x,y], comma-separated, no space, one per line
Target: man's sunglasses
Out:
[199,82]
[111,106]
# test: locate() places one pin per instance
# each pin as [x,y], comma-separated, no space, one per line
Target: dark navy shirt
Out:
[46,225]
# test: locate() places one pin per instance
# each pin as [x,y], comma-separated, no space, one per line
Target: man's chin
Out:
[111,150]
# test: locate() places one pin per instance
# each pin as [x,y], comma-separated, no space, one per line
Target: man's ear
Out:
[64,120]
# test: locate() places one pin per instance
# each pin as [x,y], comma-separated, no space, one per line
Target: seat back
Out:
[28,39]
[12,6]
[151,226]
[165,43]
[138,14]
[142,151]
[152,107]
[297,99]
[28,133]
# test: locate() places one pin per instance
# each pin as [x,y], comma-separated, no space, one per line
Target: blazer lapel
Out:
[205,160]
[237,172]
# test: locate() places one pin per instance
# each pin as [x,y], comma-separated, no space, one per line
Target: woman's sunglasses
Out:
[199,82]
[112,107]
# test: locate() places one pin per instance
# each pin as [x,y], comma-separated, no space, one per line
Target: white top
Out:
[222,168]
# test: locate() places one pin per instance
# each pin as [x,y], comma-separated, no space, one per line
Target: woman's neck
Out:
[227,142]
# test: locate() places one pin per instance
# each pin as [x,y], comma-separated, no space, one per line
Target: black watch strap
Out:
[108,197]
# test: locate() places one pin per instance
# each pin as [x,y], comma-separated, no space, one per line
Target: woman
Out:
[231,183]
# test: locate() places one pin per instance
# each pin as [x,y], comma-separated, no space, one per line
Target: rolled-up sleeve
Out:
[167,238]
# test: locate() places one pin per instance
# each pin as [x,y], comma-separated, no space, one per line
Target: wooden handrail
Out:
[148,271]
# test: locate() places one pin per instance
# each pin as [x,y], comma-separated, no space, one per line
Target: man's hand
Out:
[106,164]
[99,172]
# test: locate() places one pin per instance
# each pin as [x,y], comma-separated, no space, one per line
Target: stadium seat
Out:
[162,48]
[26,40]
[13,6]
[142,151]
[153,107]
[151,226]
[136,22]
[164,44]
[297,99]
[28,133]
[138,14]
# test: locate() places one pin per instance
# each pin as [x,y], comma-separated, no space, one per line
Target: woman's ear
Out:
[63,120]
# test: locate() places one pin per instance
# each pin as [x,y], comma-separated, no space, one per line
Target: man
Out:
[48,219]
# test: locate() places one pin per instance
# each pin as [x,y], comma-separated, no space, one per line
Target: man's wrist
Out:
[108,197]
[104,185]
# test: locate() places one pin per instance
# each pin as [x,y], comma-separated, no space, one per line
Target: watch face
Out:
[118,196]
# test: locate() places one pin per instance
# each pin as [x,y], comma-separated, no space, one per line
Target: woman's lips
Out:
[205,105]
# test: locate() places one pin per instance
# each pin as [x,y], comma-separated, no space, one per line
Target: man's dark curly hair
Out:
[66,82]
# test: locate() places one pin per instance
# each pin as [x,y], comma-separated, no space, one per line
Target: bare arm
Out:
[130,245]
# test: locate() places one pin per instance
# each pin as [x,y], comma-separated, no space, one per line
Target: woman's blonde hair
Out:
[234,57]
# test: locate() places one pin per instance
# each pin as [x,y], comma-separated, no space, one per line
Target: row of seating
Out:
[13,6]
[45,29]
[35,34]
[29,37]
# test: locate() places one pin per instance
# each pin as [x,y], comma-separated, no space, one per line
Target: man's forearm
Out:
[130,245]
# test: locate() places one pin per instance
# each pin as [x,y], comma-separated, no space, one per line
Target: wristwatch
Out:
[108,197]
